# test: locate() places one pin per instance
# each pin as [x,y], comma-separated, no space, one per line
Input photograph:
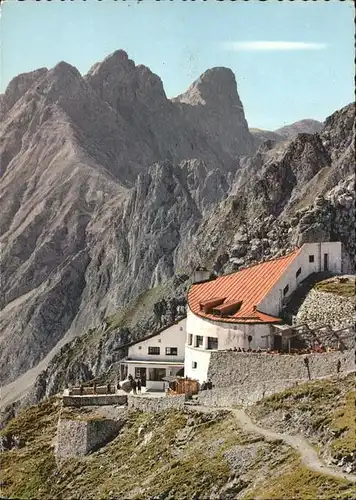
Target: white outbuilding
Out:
[156,357]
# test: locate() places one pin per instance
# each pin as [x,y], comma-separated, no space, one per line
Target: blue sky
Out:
[292,60]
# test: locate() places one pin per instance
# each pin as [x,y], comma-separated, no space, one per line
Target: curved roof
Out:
[248,286]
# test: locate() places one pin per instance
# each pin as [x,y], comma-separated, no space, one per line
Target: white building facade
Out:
[204,335]
[156,357]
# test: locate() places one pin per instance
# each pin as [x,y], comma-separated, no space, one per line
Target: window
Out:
[298,272]
[141,373]
[154,350]
[212,343]
[156,374]
[139,347]
[199,341]
[194,364]
[311,258]
[285,290]
[171,351]
[190,339]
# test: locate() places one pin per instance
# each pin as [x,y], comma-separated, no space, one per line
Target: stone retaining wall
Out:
[151,404]
[97,400]
[79,437]
[246,395]
[236,369]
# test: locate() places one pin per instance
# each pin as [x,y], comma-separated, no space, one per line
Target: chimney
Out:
[201,274]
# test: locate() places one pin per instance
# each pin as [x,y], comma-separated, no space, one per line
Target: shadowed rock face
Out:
[109,188]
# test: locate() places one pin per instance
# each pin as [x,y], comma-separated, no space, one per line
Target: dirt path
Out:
[308,455]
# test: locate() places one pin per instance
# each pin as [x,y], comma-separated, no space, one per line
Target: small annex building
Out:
[156,357]
[242,309]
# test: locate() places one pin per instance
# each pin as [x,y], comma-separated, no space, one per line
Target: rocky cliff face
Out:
[109,188]
[290,201]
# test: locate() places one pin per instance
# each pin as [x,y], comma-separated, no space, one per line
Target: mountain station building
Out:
[241,310]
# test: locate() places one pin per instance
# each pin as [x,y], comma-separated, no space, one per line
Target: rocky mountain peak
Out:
[213,101]
[64,73]
[18,86]
[121,83]
[60,81]
[214,88]
[113,63]
[307,126]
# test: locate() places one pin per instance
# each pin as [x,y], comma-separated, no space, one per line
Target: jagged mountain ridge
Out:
[93,228]
[72,148]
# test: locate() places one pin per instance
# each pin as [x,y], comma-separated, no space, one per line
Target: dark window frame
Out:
[199,343]
[212,343]
[154,350]
[298,273]
[171,353]
[190,339]
[311,259]
[285,290]
[194,365]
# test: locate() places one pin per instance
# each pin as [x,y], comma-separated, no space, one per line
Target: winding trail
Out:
[307,453]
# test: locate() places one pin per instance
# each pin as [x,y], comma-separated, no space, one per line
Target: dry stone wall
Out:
[236,369]
[243,379]
[79,437]
[97,400]
[244,395]
[151,404]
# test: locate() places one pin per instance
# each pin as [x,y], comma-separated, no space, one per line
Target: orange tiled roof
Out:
[249,285]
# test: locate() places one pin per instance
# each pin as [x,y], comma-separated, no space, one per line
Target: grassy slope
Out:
[133,467]
[24,471]
[137,308]
[329,408]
